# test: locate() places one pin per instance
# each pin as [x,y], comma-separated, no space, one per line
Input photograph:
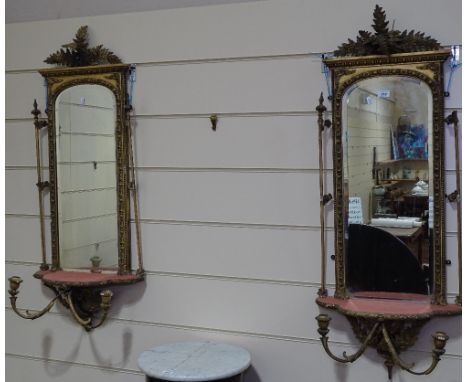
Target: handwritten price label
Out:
[355,210]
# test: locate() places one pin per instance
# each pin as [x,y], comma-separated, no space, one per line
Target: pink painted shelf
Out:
[86,279]
[389,306]
[392,296]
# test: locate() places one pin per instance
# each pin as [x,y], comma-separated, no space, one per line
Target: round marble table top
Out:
[194,361]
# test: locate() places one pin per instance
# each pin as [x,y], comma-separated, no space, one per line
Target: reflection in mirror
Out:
[86,178]
[387,168]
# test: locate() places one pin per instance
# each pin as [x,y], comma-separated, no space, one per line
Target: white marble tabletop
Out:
[194,361]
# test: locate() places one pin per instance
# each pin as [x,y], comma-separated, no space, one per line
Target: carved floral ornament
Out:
[78,53]
[385,41]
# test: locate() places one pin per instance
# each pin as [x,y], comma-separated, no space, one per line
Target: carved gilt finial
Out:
[36,112]
[78,52]
[321,107]
[385,41]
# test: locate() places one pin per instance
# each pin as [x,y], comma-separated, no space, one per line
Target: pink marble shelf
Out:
[85,279]
[392,296]
[386,308]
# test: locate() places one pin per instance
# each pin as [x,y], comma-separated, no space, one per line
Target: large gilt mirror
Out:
[91,182]
[389,191]
[88,168]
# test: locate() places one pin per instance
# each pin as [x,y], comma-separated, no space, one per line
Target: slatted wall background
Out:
[230,218]
[368,129]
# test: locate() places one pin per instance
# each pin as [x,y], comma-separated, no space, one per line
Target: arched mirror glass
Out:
[387,187]
[87,210]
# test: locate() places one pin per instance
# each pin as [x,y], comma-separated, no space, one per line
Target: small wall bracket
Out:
[214,121]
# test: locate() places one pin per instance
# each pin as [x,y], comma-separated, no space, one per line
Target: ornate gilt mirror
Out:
[389,191]
[91,179]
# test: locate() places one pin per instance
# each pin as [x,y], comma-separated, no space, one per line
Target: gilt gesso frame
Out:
[424,66]
[114,77]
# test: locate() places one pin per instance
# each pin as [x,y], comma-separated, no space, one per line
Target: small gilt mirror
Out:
[389,191]
[91,181]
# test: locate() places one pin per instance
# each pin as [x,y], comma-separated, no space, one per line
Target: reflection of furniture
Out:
[409,236]
[413,205]
[379,261]
[398,199]
[403,169]
[194,361]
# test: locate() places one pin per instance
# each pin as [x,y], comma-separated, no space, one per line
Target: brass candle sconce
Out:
[91,178]
[389,193]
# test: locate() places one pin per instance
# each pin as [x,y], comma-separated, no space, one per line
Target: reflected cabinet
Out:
[91,182]
[389,191]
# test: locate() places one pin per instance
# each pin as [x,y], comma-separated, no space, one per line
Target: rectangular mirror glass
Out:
[387,186]
[86,177]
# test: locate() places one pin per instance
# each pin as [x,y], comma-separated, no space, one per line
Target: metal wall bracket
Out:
[214,121]
[388,337]
[453,196]
[326,199]
[83,303]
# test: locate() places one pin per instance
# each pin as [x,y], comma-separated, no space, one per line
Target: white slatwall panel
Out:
[268,354]
[19,228]
[276,85]
[22,368]
[238,30]
[243,142]
[21,192]
[265,198]
[230,230]
[25,153]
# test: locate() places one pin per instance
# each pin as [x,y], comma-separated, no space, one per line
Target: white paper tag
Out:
[384,93]
[355,210]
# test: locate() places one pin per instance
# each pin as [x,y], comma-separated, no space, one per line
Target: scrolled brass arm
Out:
[106,297]
[323,322]
[65,296]
[15,282]
[85,322]
[440,339]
